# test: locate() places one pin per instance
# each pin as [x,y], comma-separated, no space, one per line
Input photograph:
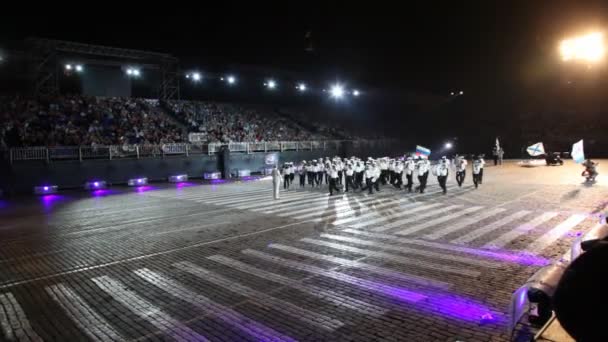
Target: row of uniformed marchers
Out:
[355,174]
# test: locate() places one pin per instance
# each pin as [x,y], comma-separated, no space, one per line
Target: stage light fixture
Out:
[137,181]
[337,91]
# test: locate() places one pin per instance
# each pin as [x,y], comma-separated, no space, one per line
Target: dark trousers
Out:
[286,180]
[477,179]
[398,180]
[410,181]
[340,177]
[460,175]
[495,160]
[422,179]
[349,183]
[292,176]
[442,180]
[369,185]
[311,178]
[359,180]
[333,185]
[319,178]
[302,180]
[481,176]
[383,176]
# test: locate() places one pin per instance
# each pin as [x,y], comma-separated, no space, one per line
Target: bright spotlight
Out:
[588,48]
[196,77]
[337,91]
[461,92]
[271,84]
[301,87]
[68,67]
[356,92]
[452,93]
[136,72]
[78,68]
[129,72]
[448,145]
[231,79]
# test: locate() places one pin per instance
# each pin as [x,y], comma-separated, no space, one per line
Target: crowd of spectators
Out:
[224,122]
[74,120]
[84,121]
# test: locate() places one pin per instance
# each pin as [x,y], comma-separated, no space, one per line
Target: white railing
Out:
[153,151]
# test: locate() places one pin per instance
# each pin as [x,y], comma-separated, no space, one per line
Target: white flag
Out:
[536,149]
[577,152]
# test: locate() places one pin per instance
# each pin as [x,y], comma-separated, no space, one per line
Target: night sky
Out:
[502,54]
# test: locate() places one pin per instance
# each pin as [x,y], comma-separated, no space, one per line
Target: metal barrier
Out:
[257,147]
[238,147]
[29,153]
[154,151]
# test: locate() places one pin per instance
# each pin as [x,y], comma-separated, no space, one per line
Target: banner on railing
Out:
[196,137]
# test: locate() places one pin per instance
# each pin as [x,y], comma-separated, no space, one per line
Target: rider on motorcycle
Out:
[590,169]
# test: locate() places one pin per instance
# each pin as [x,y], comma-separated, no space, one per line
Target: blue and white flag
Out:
[577,152]
[422,151]
[536,149]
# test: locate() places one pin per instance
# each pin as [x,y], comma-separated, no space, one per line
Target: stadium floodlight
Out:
[337,91]
[231,79]
[78,67]
[68,67]
[452,93]
[196,77]
[448,145]
[461,92]
[271,84]
[356,92]
[133,72]
[301,87]
[586,48]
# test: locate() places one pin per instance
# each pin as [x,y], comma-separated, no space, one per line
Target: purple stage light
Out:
[95,185]
[138,181]
[45,189]
[178,178]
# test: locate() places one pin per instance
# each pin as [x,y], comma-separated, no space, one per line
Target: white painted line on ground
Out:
[146,256]
[282,201]
[439,220]
[84,316]
[14,322]
[415,218]
[395,258]
[477,233]
[411,278]
[408,250]
[328,295]
[465,222]
[556,233]
[188,229]
[285,206]
[400,293]
[147,311]
[419,206]
[229,316]
[504,239]
[260,298]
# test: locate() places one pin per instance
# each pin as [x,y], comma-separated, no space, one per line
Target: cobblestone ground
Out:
[225,262]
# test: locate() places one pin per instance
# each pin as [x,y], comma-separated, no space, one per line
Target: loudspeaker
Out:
[579,297]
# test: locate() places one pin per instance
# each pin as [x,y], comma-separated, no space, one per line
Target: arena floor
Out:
[225,262]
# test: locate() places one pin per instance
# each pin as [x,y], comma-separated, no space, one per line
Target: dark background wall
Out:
[105,81]
[21,177]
